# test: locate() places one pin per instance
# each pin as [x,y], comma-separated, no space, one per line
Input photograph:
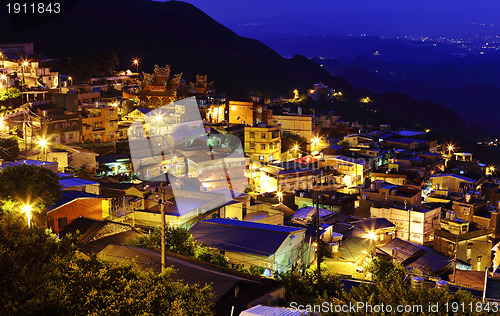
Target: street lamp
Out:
[136,63]
[70,80]
[371,235]
[27,209]
[44,144]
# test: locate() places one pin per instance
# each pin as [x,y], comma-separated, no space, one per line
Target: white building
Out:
[420,221]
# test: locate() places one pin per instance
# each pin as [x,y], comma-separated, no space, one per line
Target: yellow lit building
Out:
[99,124]
[263,142]
[301,125]
[241,112]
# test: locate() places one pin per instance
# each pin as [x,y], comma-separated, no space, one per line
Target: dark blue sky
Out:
[367,16]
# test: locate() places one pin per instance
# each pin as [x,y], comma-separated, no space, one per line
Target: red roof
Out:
[306,159]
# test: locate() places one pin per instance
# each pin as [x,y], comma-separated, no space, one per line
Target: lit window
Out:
[261,157]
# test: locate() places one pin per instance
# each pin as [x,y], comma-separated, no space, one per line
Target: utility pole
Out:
[318,252]
[455,259]
[162,206]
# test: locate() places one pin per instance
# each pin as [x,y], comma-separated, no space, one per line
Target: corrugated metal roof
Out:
[241,236]
[261,310]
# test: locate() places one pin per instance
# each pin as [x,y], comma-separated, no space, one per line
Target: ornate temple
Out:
[160,88]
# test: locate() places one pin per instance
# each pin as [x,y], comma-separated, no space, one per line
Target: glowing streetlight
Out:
[25,63]
[136,63]
[371,235]
[450,149]
[27,210]
[70,80]
[159,118]
[296,94]
[296,147]
[44,144]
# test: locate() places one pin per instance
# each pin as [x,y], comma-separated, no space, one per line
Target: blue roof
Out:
[75,182]
[29,162]
[241,236]
[273,311]
[145,111]
[70,195]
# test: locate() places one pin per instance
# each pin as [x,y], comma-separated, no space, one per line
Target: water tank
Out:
[416,281]
[441,284]
[394,253]
[452,216]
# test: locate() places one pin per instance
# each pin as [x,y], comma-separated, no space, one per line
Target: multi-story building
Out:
[416,224]
[471,243]
[99,123]
[263,142]
[301,125]
[55,125]
[241,112]
[381,191]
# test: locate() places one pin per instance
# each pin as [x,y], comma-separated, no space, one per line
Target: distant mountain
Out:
[174,33]
[470,87]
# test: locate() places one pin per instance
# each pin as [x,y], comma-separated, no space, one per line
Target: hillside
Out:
[175,33]
[181,35]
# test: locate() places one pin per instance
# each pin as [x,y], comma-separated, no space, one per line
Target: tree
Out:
[44,275]
[179,240]
[302,287]
[27,184]
[383,268]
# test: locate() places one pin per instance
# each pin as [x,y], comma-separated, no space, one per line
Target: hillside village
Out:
[269,185]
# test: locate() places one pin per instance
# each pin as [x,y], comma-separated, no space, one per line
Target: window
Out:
[263,146]
[261,157]
[276,134]
[70,135]
[96,124]
[252,145]
[252,134]
[271,157]
[111,123]
[263,135]
[62,222]
[87,127]
[54,159]
[111,112]
[270,146]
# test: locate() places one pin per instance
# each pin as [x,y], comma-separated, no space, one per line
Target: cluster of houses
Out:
[306,187]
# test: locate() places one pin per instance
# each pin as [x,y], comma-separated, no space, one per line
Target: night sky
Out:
[368,16]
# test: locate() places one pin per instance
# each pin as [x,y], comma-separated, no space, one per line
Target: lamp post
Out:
[70,81]
[44,144]
[27,210]
[136,63]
